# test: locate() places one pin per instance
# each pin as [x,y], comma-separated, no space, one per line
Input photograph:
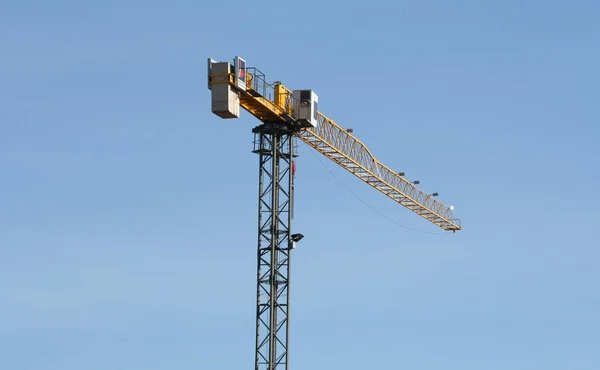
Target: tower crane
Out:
[286,115]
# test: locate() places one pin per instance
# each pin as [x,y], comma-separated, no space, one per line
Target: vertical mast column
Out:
[275,149]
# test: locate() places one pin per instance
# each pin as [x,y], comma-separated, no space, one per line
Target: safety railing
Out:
[275,92]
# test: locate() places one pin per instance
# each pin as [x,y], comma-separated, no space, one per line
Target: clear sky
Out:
[128,210]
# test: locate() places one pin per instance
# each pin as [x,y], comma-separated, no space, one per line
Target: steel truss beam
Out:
[346,150]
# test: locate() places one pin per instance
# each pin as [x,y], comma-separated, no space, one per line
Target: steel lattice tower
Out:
[274,145]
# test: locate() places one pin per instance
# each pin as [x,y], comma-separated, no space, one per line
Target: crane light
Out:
[295,238]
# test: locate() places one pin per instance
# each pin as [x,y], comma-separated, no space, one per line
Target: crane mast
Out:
[274,146]
[286,115]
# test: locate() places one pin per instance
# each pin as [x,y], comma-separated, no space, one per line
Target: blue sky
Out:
[128,210]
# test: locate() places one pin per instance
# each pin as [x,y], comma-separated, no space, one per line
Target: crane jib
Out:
[274,102]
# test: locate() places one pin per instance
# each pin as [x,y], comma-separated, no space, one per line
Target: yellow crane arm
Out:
[275,103]
[346,150]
